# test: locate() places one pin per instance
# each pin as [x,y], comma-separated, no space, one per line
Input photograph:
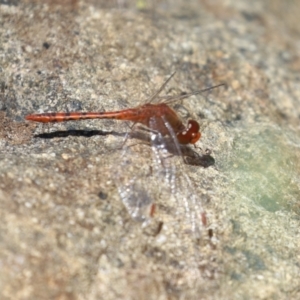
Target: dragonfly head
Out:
[191,134]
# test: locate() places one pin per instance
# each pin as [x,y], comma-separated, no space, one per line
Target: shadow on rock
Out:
[190,156]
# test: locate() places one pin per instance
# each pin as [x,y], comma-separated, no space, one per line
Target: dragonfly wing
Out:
[171,99]
[154,175]
[155,95]
[188,201]
[131,178]
[150,173]
[144,174]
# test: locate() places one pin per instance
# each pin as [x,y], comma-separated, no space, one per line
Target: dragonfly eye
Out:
[191,134]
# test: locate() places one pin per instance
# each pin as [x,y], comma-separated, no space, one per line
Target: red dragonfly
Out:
[161,119]
[158,117]
[155,179]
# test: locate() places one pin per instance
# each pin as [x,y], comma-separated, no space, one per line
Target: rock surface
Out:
[66,234]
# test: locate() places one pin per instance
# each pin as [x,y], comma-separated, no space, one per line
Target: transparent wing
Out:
[152,173]
[131,180]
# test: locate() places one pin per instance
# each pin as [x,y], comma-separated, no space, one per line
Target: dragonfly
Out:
[161,121]
[159,117]
[153,184]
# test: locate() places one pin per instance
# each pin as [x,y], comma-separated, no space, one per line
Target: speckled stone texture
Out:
[64,231]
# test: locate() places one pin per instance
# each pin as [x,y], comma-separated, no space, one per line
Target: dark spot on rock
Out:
[102,195]
[46,45]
